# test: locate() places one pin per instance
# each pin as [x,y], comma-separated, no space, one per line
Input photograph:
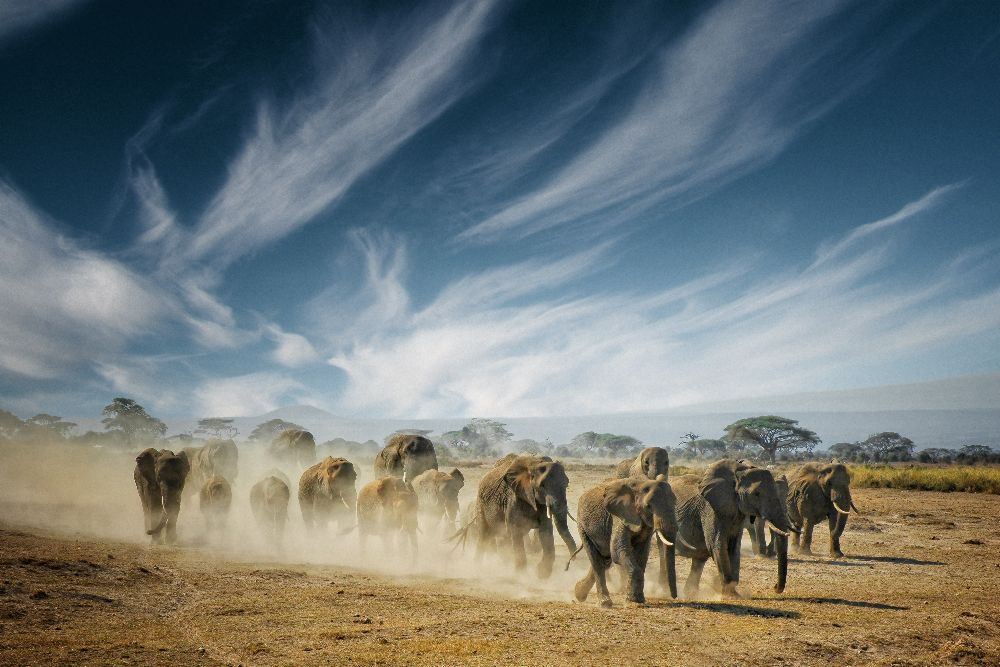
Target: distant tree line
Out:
[766,438]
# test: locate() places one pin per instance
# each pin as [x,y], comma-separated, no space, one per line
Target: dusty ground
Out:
[77,586]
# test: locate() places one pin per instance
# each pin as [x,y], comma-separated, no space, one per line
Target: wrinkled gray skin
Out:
[515,497]
[215,457]
[159,477]
[758,531]
[711,512]
[438,493]
[650,464]
[617,520]
[406,456]
[327,493]
[815,492]
[269,503]
[215,498]
[294,447]
[388,507]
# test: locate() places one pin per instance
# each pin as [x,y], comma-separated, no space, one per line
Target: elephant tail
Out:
[573,555]
[159,526]
[460,537]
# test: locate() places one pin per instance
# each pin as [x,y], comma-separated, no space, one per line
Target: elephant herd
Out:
[519,505]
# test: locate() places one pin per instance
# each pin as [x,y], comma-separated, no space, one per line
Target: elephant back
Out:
[401,447]
[295,446]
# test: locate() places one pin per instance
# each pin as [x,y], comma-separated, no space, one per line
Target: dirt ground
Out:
[79,586]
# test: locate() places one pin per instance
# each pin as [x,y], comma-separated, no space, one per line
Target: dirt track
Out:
[918,586]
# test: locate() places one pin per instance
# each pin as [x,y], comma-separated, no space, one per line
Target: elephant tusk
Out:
[548,510]
[837,507]
[775,529]
[685,543]
[663,539]
[854,507]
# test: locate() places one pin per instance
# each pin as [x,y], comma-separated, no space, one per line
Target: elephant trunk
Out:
[781,546]
[560,509]
[842,505]
[667,527]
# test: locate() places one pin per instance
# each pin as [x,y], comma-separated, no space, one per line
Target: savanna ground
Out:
[78,585]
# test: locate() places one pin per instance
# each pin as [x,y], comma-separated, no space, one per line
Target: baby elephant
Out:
[617,521]
[216,496]
[388,506]
[438,494]
[269,503]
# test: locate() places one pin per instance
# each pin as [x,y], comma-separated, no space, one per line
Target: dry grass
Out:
[972,479]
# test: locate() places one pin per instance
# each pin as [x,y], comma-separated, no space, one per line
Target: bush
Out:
[972,479]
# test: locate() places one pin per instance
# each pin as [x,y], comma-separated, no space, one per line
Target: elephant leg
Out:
[308,517]
[582,588]
[759,539]
[734,565]
[807,537]
[838,522]
[635,566]
[755,543]
[694,578]
[517,545]
[547,540]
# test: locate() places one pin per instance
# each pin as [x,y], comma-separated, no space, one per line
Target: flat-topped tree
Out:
[888,445]
[771,433]
[131,420]
[269,430]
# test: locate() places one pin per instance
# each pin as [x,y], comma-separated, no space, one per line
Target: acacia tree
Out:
[480,437]
[216,426]
[888,445]
[269,430]
[125,416]
[772,433]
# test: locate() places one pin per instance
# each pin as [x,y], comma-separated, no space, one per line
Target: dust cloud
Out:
[89,492]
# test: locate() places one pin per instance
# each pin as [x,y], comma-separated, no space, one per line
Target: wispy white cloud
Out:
[63,304]
[300,160]
[291,349]
[246,395]
[729,334]
[730,95]
[18,16]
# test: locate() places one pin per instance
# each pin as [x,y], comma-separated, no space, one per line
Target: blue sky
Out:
[493,208]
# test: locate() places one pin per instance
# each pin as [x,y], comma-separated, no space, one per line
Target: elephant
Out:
[438,494]
[269,503]
[711,511]
[650,463]
[215,457]
[817,492]
[516,495]
[758,531]
[159,477]
[326,492]
[216,496]
[617,520]
[388,506]
[406,455]
[294,446]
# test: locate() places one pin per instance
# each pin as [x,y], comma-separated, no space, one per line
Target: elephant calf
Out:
[388,506]
[215,496]
[269,503]
[159,477]
[617,520]
[438,493]
[817,492]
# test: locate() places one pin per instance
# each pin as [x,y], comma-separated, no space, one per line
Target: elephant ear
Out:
[518,477]
[185,462]
[720,492]
[620,502]
[457,474]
